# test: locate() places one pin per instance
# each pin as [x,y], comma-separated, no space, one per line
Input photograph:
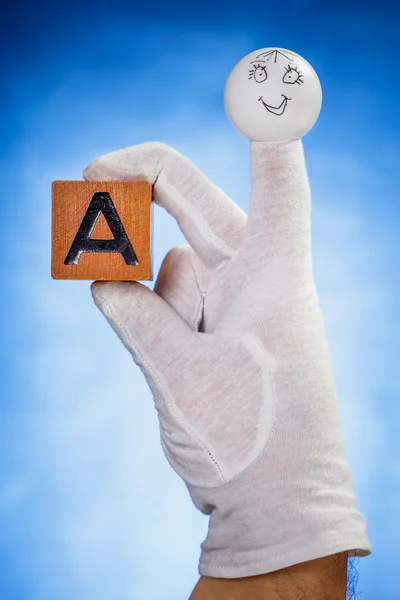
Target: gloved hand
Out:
[232,344]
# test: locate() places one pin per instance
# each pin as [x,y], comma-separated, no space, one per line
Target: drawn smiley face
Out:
[273,94]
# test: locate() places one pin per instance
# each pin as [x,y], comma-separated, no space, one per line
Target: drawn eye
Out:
[292,75]
[259,72]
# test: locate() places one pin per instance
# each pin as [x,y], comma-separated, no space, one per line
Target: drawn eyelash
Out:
[258,73]
[299,79]
[253,70]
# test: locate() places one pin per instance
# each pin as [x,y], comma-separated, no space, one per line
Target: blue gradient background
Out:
[89,507]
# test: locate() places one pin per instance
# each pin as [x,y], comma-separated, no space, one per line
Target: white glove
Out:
[233,347]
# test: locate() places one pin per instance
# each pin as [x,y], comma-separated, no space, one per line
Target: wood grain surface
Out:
[133,203]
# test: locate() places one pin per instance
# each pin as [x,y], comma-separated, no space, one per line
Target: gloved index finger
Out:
[212,223]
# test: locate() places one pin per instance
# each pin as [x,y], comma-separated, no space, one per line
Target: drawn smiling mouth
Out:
[276,110]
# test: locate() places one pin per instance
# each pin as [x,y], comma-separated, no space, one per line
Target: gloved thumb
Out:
[159,340]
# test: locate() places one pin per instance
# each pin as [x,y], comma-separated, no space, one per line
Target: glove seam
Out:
[202,292]
[200,306]
[242,340]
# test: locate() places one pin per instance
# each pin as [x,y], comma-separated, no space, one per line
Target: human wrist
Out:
[320,579]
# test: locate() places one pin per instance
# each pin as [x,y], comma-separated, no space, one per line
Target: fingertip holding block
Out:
[102,230]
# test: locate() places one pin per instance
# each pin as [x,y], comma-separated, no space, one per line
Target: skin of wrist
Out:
[320,579]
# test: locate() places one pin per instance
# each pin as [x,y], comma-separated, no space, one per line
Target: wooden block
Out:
[102,230]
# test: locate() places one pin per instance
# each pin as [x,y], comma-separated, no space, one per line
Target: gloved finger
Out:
[278,229]
[159,340]
[212,223]
[182,282]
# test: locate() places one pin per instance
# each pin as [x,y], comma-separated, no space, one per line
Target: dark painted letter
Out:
[101,203]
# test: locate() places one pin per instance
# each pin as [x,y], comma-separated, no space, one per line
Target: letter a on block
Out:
[101,203]
[102,230]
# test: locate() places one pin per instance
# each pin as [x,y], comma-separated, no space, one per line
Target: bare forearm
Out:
[320,579]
